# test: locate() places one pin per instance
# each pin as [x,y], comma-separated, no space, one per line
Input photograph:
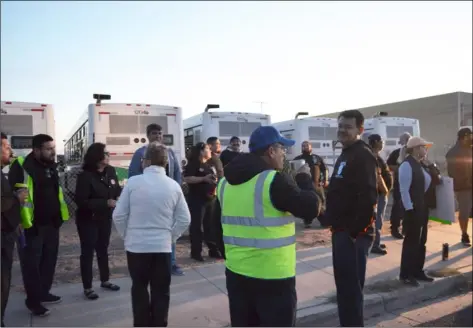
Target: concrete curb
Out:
[380,303]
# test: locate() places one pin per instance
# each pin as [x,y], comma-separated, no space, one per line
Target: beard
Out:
[47,160]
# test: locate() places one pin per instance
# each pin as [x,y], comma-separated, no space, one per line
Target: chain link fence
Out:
[68,181]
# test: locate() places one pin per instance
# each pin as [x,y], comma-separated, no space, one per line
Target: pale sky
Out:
[318,57]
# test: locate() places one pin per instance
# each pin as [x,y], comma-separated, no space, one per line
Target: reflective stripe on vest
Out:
[258,221]
[27,209]
[259,239]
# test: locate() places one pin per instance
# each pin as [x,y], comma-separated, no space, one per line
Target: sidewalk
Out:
[199,298]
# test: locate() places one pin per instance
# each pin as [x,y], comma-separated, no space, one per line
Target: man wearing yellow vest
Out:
[42,215]
[258,205]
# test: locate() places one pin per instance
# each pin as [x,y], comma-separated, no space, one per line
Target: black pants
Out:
[397,210]
[261,303]
[349,258]
[94,236]
[202,216]
[415,228]
[218,230]
[154,270]
[38,260]
[8,244]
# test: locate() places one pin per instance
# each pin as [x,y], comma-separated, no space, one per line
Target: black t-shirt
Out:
[392,159]
[201,190]
[313,160]
[385,172]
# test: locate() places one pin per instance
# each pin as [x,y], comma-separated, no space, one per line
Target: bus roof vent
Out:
[301,114]
[100,97]
[211,106]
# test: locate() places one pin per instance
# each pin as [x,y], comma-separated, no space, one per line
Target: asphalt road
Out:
[461,318]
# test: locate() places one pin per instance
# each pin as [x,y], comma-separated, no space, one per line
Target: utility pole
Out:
[261,103]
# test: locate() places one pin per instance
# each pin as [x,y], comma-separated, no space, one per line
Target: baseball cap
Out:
[265,136]
[463,132]
[418,141]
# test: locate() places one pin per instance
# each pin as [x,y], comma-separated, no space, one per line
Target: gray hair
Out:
[157,154]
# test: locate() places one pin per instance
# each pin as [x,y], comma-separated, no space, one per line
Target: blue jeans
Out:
[349,258]
[380,211]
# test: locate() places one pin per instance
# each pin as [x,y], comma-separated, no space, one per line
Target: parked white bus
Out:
[122,127]
[223,125]
[20,121]
[319,131]
[390,129]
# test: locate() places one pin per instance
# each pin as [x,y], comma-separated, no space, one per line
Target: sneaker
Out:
[411,282]
[176,270]
[423,277]
[215,254]
[379,250]
[382,246]
[466,240]
[396,234]
[38,310]
[51,299]
[197,257]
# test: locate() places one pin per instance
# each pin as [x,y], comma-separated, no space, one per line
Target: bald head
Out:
[306,147]
[404,138]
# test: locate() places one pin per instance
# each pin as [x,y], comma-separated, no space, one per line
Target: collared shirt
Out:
[151,213]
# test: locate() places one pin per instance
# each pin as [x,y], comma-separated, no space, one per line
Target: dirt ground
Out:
[67,270]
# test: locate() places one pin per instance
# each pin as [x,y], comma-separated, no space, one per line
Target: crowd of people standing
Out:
[241,205]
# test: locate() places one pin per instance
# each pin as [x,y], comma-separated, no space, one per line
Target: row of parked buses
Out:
[122,127]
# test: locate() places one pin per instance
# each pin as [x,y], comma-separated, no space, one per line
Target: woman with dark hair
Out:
[202,181]
[97,191]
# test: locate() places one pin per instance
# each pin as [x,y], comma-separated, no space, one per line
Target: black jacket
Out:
[352,193]
[227,156]
[45,189]
[93,190]
[10,207]
[301,199]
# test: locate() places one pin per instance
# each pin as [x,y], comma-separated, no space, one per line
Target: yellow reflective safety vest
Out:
[27,209]
[260,241]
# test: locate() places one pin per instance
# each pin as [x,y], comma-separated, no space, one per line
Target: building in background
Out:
[440,118]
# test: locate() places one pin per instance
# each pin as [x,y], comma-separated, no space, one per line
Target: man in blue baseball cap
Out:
[259,204]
